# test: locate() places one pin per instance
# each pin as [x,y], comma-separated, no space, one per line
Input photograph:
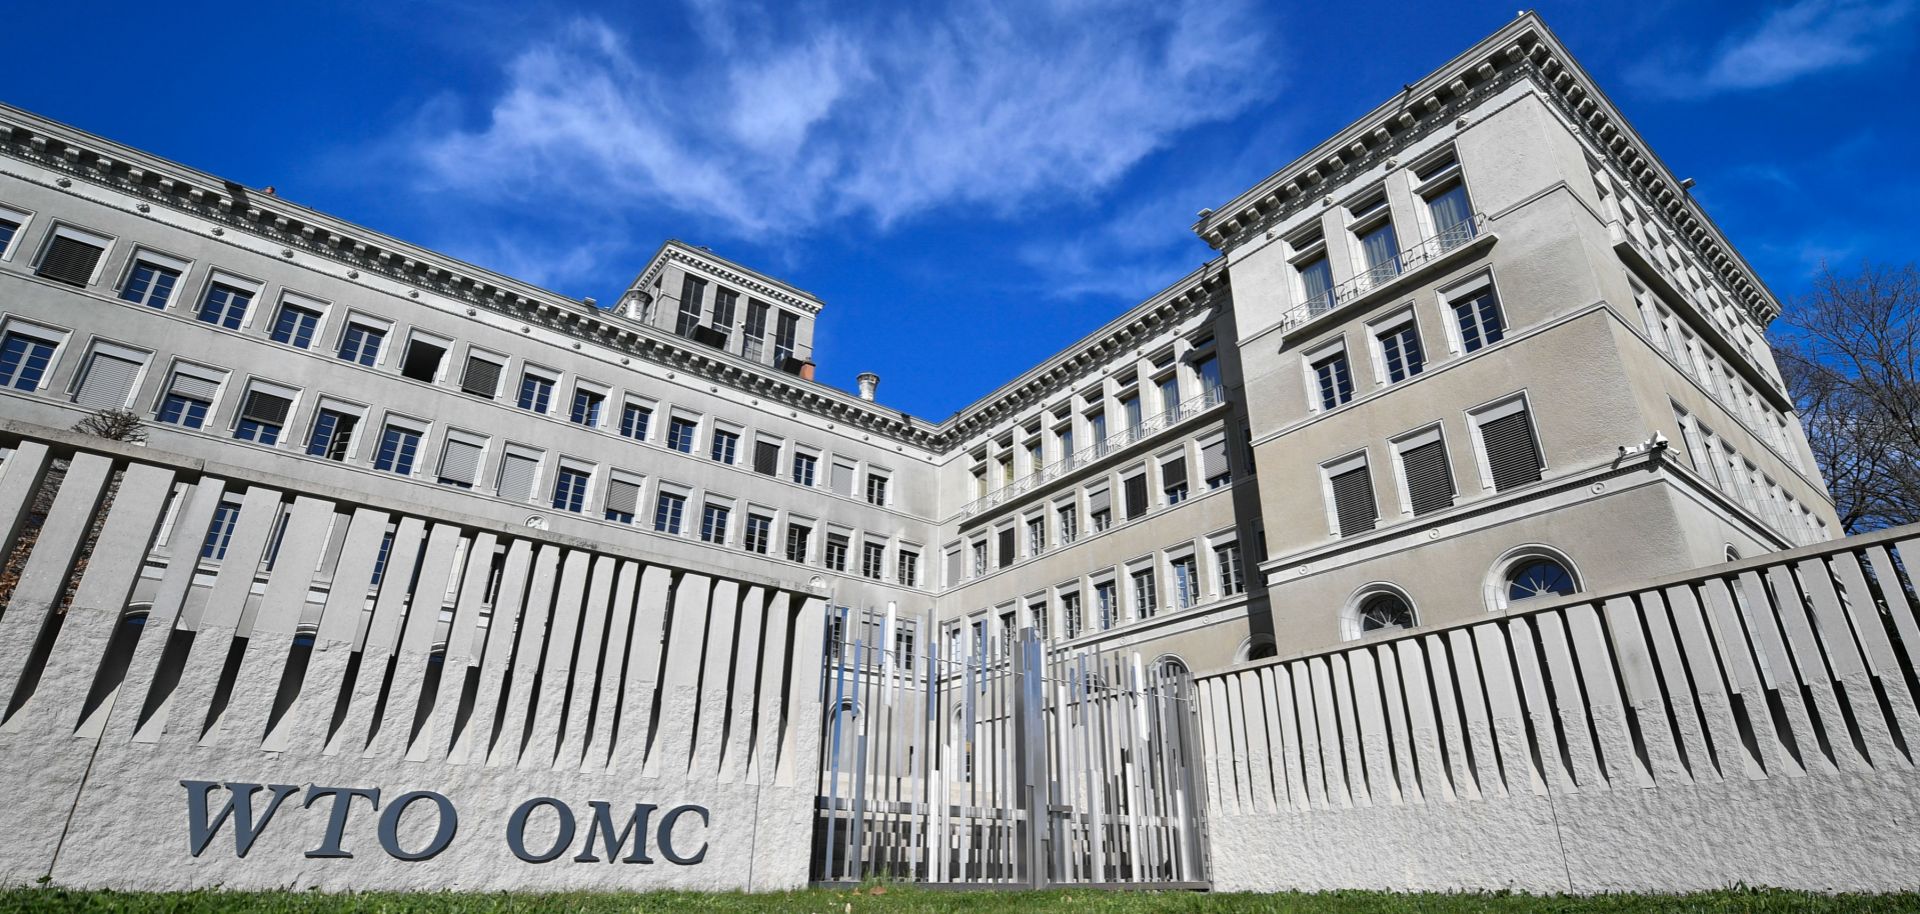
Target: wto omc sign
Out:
[247,810]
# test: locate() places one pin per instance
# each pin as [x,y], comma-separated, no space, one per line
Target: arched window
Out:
[1529,573]
[1257,647]
[1377,608]
[1733,555]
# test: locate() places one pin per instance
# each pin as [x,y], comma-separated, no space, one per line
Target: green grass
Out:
[890,899]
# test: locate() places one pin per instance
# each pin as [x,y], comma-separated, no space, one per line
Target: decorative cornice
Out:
[719,267]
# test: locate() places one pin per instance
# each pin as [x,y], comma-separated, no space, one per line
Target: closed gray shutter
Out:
[1100,501]
[953,567]
[481,377]
[461,461]
[194,386]
[1353,501]
[843,479]
[516,477]
[70,260]
[1173,473]
[1136,496]
[766,458]
[1429,482]
[1512,456]
[265,407]
[108,383]
[623,496]
[1213,460]
[1006,547]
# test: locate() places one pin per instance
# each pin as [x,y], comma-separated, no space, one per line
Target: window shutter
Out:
[1353,501]
[623,496]
[194,386]
[1429,482]
[1100,501]
[1136,496]
[1512,456]
[766,458]
[461,461]
[481,377]
[108,383]
[1006,547]
[70,260]
[1173,472]
[516,477]
[843,479]
[265,407]
[953,567]
[1213,459]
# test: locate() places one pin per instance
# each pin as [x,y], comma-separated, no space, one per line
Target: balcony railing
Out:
[1212,397]
[1406,261]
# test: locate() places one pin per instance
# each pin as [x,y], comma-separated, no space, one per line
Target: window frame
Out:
[319,307]
[198,371]
[419,428]
[63,229]
[99,346]
[1394,323]
[1345,463]
[1500,408]
[367,322]
[1398,446]
[324,403]
[594,389]
[272,388]
[1310,361]
[25,220]
[539,372]
[417,335]
[219,277]
[1469,288]
[141,253]
[498,360]
[468,438]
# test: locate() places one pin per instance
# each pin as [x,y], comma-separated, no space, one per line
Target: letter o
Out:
[517,828]
[442,835]
[664,838]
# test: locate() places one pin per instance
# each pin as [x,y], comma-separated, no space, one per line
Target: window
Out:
[1510,456]
[518,468]
[842,478]
[398,447]
[691,289]
[1400,354]
[1004,537]
[766,457]
[361,344]
[1452,215]
[1316,284]
[979,558]
[623,499]
[149,283]
[713,523]
[723,309]
[680,432]
[1135,488]
[1209,370]
[1106,604]
[189,397]
[1186,582]
[295,325]
[536,392]
[1383,611]
[1350,490]
[1071,620]
[908,569]
[1379,250]
[873,559]
[1170,395]
[460,461]
[1100,509]
[570,489]
[786,330]
[1037,617]
[634,420]
[754,337]
[804,466]
[1144,597]
[482,375]
[726,445]
[72,256]
[1213,464]
[1539,577]
[423,358]
[107,379]
[1333,380]
[1069,523]
[332,435]
[759,533]
[1227,564]
[876,489]
[798,537]
[836,557]
[225,305]
[220,531]
[1425,475]
[1478,317]
[1173,480]
[587,406]
[262,415]
[1130,408]
[10,222]
[1036,535]
[668,511]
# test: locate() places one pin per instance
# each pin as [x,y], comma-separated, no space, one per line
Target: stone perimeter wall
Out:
[488,665]
[1752,723]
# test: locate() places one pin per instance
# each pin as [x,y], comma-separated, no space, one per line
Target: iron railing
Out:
[1406,261]
[1210,398]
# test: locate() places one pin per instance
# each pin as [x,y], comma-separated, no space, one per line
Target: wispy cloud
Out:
[779,121]
[1793,41]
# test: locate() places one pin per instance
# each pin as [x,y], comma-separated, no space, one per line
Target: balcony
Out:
[1058,469]
[1427,251]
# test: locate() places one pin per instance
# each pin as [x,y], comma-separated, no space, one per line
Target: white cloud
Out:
[1804,38]
[778,121]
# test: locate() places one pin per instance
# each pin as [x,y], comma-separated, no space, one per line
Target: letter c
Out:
[664,840]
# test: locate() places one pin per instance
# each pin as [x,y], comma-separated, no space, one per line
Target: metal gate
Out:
[1000,763]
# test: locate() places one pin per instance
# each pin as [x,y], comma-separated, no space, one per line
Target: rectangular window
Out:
[188,400]
[220,531]
[1037,617]
[1226,563]
[1136,494]
[1508,447]
[570,489]
[1170,395]
[667,513]
[1478,316]
[786,331]
[1334,380]
[106,382]
[953,566]
[1071,620]
[754,337]
[1144,597]
[1213,464]
[587,406]
[295,325]
[634,420]
[1130,408]
[691,290]
[873,560]
[518,468]
[1400,352]
[1100,509]
[1352,488]
[798,537]
[1452,215]
[1004,544]
[1186,582]
[10,221]
[623,499]
[71,257]
[423,357]
[361,344]
[148,283]
[398,447]
[804,467]
[713,524]
[876,489]
[766,457]
[1209,370]
[262,415]
[909,568]
[1106,604]
[225,305]
[723,309]
[836,557]
[482,376]
[1316,285]
[536,392]
[1036,535]
[1381,251]
[979,558]
[680,434]
[726,446]
[332,436]
[759,533]
[460,461]
[1069,519]
[24,360]
[842,478]
[1173,480]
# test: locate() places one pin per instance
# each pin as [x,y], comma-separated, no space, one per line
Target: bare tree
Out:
[1850,352]
[114,425]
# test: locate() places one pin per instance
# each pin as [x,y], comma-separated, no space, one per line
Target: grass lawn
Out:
[885,900]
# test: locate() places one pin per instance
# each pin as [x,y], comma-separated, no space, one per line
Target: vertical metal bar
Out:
[856,829]
[833,760]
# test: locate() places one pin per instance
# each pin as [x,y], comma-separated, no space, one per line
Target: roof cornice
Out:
[705,261]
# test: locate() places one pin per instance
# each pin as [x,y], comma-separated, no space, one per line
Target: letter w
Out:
[200,834]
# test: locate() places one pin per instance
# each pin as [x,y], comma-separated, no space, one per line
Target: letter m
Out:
[239,807]
[602,827]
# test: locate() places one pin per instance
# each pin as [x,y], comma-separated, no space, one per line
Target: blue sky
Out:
[969,186]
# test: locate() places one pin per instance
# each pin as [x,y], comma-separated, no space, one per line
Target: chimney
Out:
[868,383]
[806,370]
